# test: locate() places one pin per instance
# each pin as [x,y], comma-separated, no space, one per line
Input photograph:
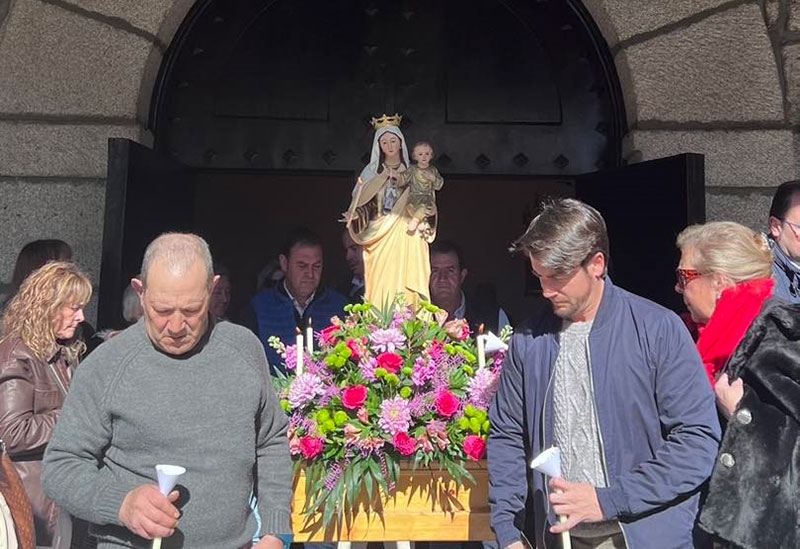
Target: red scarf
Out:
[736,309]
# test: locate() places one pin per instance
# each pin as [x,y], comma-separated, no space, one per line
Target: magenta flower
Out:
[474,447]
[437,352]
[395,416]
[311,447]
[354,396]
[404,444]
[446,403]
[387,341]
[327,336]
[305,388]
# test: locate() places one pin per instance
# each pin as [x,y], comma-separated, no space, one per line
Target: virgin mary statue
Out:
[396,260]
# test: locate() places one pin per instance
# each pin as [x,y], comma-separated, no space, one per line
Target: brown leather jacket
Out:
[32,392]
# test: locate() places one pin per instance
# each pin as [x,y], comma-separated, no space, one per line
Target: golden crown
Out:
[386,121]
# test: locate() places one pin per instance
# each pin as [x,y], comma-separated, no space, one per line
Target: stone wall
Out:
[716,77]
[72,74]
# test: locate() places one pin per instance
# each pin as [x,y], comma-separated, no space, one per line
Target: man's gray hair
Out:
[565,235]
[178,251]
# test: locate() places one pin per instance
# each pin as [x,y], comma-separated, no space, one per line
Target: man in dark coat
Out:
[448,273]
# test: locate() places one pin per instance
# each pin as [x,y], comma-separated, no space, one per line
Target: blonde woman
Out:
[724,276]
[38,354]
[750,345]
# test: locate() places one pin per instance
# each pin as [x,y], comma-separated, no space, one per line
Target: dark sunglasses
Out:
[685,276]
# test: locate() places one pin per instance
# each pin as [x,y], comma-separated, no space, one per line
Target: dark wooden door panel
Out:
[146,195]
[645,206]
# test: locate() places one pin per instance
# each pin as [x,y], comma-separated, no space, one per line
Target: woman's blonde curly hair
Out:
[34,313]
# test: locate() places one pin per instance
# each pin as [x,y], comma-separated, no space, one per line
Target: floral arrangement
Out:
[385,386]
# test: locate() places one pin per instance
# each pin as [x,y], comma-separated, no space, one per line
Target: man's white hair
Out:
[178,252]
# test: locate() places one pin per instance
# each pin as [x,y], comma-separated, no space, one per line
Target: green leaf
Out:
[369,484]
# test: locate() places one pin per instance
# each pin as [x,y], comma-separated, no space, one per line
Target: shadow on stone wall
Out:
[4,6]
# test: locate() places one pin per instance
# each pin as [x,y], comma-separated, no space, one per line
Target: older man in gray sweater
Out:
[174,388]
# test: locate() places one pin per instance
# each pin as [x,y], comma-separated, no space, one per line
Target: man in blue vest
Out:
[295,301]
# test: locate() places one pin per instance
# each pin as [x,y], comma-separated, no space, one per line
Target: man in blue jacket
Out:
[615,382]
[300,297]
[784,239]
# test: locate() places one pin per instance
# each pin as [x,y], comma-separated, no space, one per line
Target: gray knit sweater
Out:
[213,411]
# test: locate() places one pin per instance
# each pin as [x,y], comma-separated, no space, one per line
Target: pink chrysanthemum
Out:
[305,388]
[482,387]
[368,369]
[395,416]
[387,341]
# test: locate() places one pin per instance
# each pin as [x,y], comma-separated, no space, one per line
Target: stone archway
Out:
[714,77]
[718,77]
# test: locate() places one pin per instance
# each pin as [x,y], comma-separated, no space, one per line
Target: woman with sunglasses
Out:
[724,276]
[750,345]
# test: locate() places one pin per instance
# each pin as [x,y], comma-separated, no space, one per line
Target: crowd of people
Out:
[671,435]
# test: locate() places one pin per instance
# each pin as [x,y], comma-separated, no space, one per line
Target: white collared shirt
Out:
[301,309]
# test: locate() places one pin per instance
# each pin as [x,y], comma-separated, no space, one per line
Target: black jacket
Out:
[753,496]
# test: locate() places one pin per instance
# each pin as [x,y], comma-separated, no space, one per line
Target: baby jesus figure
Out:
[423,180]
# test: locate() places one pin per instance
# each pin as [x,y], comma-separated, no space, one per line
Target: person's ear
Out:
[284,262]
[721,282]
[138,286]
[464,273]
[774,227]
[214,283]
[597,265]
